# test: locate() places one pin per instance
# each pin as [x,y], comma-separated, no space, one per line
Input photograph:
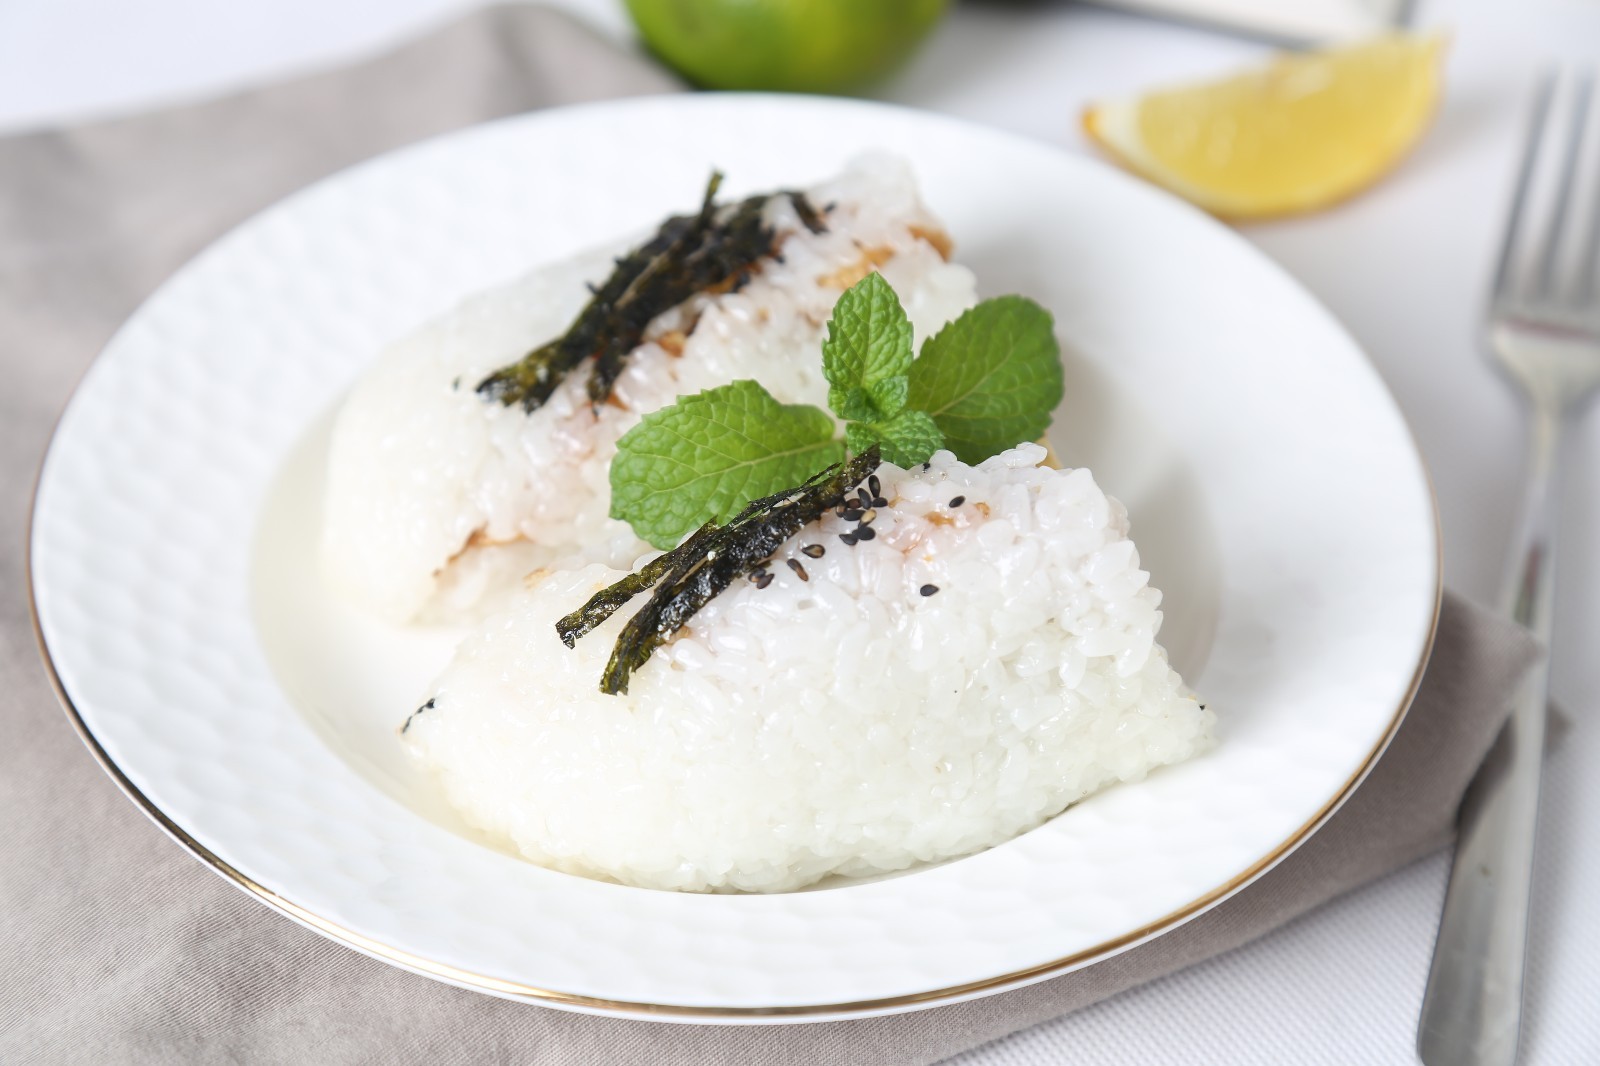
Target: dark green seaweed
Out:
[604,604]
[425,707]
[689,254]
[689,576]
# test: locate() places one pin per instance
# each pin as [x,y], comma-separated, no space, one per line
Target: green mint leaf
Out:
[889,394]
[906,439]
[706,456]
[858,437]
[867,352]
[853,404]
[991,378]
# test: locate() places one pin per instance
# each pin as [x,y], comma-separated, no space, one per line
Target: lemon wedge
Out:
[1298,134]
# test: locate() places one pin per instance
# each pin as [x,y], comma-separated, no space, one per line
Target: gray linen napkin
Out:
[116,946]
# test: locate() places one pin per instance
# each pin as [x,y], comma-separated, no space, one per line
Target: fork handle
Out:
[1472,1010]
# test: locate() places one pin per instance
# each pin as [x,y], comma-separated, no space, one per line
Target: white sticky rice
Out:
[846,724]
[435,496]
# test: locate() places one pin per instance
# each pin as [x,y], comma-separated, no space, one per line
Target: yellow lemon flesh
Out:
[819,46]
[1296,135]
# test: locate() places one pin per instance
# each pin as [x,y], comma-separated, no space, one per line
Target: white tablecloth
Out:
[1404,266]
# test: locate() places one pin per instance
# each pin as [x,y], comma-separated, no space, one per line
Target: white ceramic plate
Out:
[1274,490]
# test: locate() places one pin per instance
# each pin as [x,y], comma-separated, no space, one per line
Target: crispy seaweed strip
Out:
[693,573]
[731,552]
[728,249]
[425,707]
[604,604]
[535,377]
[695,253]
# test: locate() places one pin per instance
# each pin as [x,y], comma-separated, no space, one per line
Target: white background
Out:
[1404,266]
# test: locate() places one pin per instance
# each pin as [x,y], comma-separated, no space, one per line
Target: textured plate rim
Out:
[519,991]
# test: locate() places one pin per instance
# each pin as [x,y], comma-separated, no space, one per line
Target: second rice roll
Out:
[441,497]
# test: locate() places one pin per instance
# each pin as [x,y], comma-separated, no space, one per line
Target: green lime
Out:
[819,46]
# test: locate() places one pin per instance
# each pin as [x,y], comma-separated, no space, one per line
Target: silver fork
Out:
[1544,332]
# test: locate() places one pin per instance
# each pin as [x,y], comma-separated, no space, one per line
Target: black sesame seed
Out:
[866,533]
[925,466]
[813,551]
[849,538]
[875,485]
[851,514]
[958,501]
[880,502]
[763,581]
[865,497]
[800,571]
[928,590]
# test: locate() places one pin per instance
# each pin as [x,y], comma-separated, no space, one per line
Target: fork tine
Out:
[1550,253]
[1589,253]
[1519,199]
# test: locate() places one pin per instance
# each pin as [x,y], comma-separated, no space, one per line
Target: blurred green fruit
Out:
[818,46]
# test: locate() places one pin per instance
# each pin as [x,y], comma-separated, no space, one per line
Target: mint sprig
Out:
[706,456]
[991,378]
[986,382]
[867,353]
[905,440]
[867,359]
